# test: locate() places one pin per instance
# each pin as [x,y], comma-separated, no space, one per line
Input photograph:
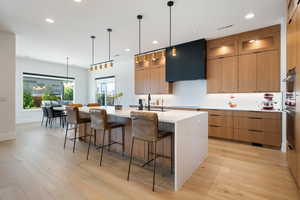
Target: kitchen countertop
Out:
[215,108]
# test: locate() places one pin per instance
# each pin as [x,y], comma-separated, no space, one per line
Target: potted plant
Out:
[116,99]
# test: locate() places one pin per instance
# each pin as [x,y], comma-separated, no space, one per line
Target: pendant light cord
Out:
[93,49]
[139,36]
[108,45]
[67,68]
[170,42]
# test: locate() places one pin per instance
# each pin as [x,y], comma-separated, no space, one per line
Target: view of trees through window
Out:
[43,90]
[105,91]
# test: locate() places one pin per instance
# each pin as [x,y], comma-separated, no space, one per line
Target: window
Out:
[46,90]
[105,90]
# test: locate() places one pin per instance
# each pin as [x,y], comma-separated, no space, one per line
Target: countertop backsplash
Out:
[244,101]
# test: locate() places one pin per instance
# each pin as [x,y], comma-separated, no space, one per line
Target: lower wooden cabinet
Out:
[253,127]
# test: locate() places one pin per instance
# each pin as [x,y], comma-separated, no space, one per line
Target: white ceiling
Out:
[75,22]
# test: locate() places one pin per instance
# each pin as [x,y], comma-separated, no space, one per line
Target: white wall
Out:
[7,86]
[41,67]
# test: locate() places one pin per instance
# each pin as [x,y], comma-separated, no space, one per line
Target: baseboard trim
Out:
[7,136]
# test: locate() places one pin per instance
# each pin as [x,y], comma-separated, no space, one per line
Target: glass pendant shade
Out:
[174,51]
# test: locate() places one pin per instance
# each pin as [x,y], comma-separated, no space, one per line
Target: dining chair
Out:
[93,105]
[145,128]
[75,105]
[45,115]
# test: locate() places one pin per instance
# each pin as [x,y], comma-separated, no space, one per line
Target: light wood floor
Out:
[35,167]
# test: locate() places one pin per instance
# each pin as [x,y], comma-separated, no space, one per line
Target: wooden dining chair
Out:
[75,105]
[145,128]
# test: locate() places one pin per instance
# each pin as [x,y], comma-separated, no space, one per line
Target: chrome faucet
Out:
[149,102]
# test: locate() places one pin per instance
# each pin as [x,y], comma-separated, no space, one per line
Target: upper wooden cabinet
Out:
[150,74]
[260,40]
[246,62]
[268,71]
[247,73]
[223,47]
[291,42]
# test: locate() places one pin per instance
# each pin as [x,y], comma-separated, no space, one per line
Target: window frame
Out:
[101,78]
[43,76]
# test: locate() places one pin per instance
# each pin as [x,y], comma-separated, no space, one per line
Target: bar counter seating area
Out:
[151,100]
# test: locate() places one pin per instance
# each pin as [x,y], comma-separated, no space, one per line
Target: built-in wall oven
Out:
[290,108]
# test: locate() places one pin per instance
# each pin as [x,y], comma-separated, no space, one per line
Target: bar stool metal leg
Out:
[154,167]
[65,135]
[132,144]
[88,152]
[109,139]
[75,138]
[123,140]
[102,148]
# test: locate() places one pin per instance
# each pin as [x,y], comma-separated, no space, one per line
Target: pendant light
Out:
[170,5]
[139,17]
[68,84]
[105,64]
[93,52]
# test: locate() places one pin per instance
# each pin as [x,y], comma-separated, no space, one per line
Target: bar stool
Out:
[145,128]
[99,122]
[74,119]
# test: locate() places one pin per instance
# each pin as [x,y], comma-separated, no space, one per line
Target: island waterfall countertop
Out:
[190,137]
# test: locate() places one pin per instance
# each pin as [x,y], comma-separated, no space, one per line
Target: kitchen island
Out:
[190,138]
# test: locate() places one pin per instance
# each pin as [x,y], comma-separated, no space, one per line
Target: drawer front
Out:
[259,124]
[220,112]
[223,121]
[273,139]
[263,115]
[250,136]
[220,132]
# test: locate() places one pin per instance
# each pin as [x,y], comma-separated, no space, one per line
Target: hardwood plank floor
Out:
[35,167]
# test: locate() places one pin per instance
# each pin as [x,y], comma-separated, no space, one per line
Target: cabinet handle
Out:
[255,118]
[253,130]
[215,126]
[215,115]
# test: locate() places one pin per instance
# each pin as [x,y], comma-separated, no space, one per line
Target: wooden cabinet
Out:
[246,62]
[268,71]
[222,47]
[142,81]
[150,74]
[247,73]
[222,74]
[214,76]
[265,39]
[253,127]
[259,72]
[291,42]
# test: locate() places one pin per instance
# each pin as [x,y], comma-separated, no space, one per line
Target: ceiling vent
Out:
[225,27]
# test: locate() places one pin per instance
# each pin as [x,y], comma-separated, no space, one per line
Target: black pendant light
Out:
[139,17]
[105,64]
[93,53]
[170,5]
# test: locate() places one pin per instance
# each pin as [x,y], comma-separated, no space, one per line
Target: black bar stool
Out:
[74,119]
[99,122]
[145,128]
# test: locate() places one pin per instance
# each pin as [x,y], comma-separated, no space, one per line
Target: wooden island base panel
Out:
[190,147]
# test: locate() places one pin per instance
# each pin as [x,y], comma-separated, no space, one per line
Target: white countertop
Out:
[169,116]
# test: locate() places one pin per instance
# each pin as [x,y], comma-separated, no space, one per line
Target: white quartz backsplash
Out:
[244,101]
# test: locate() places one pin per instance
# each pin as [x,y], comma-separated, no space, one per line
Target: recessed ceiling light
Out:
[250,15]
[127,49]
[154,42]
[51,21]
[77,1]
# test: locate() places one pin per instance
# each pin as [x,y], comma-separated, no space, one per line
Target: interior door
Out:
[268,71]
[247,73]
[230,74]
[214,75]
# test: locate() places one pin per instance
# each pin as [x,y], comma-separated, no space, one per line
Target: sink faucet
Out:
[149,102]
